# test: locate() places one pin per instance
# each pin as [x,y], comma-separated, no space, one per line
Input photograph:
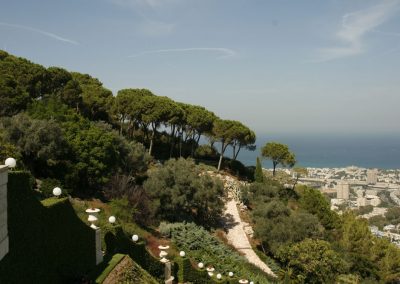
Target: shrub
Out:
[203,247]
[315,260]
[179,192]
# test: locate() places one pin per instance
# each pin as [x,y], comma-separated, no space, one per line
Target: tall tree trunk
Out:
[237,153]
[121,122]
[198,138]
[151,145]
[220,162]
[172,141]
[145,132]
[180,143]
[223,147]
[295,182]
[274,164]
[152,141]
[197,141]
[192,144]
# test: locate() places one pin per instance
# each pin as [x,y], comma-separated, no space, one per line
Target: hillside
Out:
[138,156]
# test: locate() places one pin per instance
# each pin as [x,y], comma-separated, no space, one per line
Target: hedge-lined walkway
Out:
[238,238]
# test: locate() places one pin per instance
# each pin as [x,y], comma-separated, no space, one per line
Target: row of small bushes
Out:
[117,241]
[185,271]
[203,247]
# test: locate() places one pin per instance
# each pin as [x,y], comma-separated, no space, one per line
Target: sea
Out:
[333,150]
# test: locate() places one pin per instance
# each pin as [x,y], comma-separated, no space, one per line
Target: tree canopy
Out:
[279,154]
[181,193]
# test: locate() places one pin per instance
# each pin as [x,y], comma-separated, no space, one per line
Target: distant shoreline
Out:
[322,151]
[333,168]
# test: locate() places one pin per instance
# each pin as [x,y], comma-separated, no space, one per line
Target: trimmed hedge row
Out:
[202,246]
[117,241]
[110,265]
[185,272]
[48,242]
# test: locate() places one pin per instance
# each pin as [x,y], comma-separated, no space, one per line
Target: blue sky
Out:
[278,66]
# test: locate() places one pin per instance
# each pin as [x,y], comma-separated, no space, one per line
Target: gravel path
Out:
[238,238]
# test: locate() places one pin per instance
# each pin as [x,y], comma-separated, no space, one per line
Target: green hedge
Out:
[117,241]
[111,264]
[185,272]
[200,245]
[48,242]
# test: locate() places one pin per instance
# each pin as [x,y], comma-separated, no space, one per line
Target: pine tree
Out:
[258,174]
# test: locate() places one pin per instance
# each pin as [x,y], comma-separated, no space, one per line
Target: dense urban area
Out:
[371,192]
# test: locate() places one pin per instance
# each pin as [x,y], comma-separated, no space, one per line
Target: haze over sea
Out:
[333,150]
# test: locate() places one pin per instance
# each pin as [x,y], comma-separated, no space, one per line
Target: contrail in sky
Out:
[51,35]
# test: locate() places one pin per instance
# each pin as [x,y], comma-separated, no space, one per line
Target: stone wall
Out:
[3,212]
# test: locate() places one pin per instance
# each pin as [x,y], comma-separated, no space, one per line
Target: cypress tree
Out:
[258,174]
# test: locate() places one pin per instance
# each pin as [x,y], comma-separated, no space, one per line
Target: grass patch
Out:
[49,202]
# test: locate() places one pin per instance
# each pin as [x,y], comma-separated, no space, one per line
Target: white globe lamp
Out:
[251,282]
[200,265]
[230,274]
[112,219]
[182,253]
[135,238]
[57,191]
[219,276]
[10,162]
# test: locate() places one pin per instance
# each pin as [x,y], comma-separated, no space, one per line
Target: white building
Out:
[372,176]
[342,190]
[368,200]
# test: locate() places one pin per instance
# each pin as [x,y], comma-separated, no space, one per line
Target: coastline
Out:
[333,151]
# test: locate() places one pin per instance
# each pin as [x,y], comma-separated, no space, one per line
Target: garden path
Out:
[238,238]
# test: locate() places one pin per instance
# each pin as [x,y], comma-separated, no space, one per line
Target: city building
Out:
[372,176]
[342,190]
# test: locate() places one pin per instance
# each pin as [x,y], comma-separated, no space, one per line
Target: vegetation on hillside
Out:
[66,126]
[140,155]
[314,244]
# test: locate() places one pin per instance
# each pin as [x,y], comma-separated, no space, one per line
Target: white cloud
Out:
[51,35]
[354,28]
[225,52]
